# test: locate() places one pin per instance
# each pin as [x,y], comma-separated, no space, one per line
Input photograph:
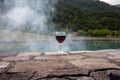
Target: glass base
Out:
[60,52]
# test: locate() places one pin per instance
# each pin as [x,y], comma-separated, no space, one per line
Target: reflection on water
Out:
[49,46]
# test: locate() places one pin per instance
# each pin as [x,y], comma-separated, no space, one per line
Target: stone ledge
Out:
[56,53]
[94,64]
[87,65]
[4,64]
[29,54]
[17,58]
[29,66]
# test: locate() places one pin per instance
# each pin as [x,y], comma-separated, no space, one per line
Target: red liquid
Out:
[60,39]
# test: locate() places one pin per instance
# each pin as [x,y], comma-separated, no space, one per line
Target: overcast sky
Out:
[113,2]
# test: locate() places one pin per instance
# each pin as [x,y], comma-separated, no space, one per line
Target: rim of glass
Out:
[60,33]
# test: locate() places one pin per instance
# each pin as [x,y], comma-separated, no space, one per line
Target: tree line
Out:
[87,17]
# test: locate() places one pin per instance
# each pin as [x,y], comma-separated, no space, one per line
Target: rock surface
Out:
[4,65]
[31,65]
[76,65]
[94,64]
[114,74]
[20,58]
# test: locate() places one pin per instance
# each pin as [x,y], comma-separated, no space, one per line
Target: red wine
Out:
[60,39]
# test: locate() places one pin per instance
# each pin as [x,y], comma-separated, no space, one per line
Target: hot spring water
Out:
[24,23]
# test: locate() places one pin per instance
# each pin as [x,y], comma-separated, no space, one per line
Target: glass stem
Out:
[60,47]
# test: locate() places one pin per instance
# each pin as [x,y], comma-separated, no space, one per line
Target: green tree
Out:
[99,33]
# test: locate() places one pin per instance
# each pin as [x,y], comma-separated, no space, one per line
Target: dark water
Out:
[50,46]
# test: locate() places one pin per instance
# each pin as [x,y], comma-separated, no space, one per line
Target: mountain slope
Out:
[86,14]
[118,5]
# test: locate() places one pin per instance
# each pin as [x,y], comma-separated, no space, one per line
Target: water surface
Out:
[51,46]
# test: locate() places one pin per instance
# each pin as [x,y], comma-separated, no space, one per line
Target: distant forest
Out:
[87,17]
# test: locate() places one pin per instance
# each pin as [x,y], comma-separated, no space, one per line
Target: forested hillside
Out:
[87,16]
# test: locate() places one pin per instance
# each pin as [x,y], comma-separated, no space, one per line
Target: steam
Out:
[30,15]
[27,20]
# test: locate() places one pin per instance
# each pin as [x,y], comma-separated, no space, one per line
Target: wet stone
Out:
[93,64]
[20,58]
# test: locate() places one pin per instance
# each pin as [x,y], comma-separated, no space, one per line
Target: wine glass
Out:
[60,37]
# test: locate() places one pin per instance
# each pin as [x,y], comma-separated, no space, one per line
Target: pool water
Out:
[51,46]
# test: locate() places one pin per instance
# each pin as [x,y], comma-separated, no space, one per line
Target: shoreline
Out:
[95,38]
[76,38]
